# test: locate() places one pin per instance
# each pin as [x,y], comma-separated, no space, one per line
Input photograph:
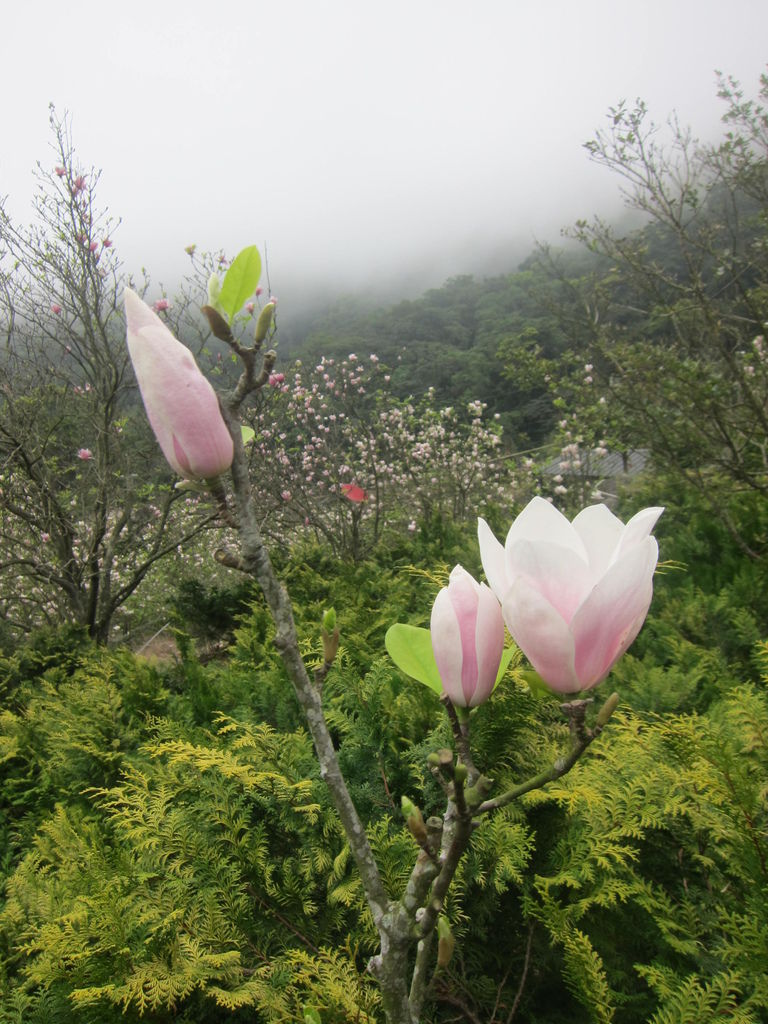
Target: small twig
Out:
[581,738]
[524,975]
[460,727]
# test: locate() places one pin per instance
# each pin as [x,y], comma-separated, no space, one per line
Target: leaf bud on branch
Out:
[414,820]
[445,941]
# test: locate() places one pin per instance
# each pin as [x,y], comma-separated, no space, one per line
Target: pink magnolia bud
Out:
[161,305]
[467,631]
[55,308]
[60,171]
[249,308]
[85,454]
[181,405]
[107,243]
[574,595]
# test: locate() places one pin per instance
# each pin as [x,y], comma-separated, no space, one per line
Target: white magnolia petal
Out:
[557,573]
[446,645]
[541,521]
[489,644]
[494,560]
[542,635]
[601,531]
[636,530]
[603,626]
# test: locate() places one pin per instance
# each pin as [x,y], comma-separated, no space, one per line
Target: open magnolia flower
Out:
[181,405]
[574,595]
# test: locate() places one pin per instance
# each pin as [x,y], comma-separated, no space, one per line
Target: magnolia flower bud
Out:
[467,632]
[264,322]
[181,405]
[414,820]
[607,710]
[214,290]
[330,645]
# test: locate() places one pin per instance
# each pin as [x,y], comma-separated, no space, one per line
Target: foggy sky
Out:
[365,142]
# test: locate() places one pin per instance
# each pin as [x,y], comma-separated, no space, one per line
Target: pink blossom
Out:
[181,405]
[161,305]
[275,379]
[93,246]
[249,307]
[107,243]
[285,495]
[45,537]
[78,184]
[259,291]
[55,308]
[85,454]
[574,595]
[467,631]
[60,171]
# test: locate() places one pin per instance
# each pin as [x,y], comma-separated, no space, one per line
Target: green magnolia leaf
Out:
[240,281]
[537,686]
[410,647]
[248,434]
[506,657]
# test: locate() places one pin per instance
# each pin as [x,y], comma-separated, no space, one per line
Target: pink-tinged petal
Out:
[600,531]
[181,458]
[541,521]
[181,405]
[542,635]
[494,560]
[467,631]
[489,644]
[557,573]
[446,645]
[611,616]
[637,529]
[463,592]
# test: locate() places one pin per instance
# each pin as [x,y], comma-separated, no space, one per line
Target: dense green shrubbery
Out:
[171,853]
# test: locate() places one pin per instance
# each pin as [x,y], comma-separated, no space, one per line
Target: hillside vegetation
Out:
[170,849]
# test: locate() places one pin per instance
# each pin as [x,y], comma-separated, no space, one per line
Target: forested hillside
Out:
[265,754]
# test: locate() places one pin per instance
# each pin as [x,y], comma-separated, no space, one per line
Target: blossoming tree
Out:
[86,508]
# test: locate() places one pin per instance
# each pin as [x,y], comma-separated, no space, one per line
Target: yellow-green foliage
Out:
[208,870]
[667,830]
